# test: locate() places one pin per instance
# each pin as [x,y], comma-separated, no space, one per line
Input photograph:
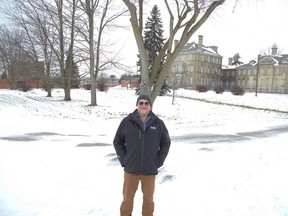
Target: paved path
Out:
[224,138]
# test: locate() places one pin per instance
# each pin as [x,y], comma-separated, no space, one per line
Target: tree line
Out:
[65,33]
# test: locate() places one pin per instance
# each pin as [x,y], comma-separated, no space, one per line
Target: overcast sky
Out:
[251,28]
[248,29]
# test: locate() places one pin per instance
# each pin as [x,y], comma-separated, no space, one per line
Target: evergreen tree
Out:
[4,75]
[154,41]
[236,59]
[75,77]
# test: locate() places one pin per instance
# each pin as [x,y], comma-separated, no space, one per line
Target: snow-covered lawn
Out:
[57,158]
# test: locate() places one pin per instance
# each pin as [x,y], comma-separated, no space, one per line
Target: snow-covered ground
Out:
[57,158]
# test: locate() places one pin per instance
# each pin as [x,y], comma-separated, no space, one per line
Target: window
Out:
[269,71]
[277,71]
[191,68]
[265,72]
[180,68]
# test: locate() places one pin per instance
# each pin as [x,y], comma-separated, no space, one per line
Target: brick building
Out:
[196,65]
[23,73]
[268,72]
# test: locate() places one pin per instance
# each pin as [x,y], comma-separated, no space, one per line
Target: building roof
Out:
[279,59]
[193,47]
[228,67]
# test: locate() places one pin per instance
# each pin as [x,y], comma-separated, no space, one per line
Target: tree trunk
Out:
[93,91]
[188,25]
[49,90]
[90,10]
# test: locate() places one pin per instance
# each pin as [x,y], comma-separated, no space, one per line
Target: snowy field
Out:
[57,158]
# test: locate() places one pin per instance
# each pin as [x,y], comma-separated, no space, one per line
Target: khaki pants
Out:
[130,186]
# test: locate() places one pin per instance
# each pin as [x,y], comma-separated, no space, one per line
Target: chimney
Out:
[176,43]
[230,61]
[215,48]
[200,42]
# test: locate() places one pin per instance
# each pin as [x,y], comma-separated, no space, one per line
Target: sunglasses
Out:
[141,103]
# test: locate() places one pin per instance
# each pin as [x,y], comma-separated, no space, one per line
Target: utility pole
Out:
[175,81]
[257,74]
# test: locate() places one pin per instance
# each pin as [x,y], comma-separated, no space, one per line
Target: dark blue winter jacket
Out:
[140,150]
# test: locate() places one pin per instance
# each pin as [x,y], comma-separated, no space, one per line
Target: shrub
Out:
[24,86]
[219,89]
[237,90]
[201,88]
[47,86]
[87,86]
[102,86]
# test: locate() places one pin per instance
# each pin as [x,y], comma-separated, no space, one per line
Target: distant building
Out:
[102,80]
[130,81]
[110,81]
[24,73]
[196,65]
[271,73]
[228,75]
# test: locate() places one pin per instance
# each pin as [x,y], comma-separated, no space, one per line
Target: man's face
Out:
[143,107]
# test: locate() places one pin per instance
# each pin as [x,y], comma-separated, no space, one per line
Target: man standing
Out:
[141,143]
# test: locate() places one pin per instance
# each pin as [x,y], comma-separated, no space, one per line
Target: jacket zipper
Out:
[142,149]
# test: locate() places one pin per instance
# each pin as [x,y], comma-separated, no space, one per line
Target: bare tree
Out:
[269,50]
[100,17]
[11,52]
[63,48]
[50,24]
[30,16]
[188,16]
[55,30]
